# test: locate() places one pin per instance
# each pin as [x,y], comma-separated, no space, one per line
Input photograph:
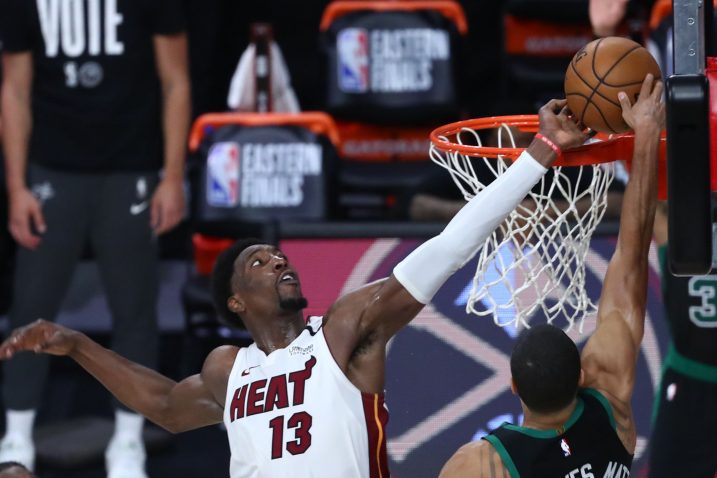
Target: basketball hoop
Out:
[535,260]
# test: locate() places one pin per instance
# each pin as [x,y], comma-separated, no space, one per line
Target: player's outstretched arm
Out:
[477,460]
[418,277]
[610,355]
[373,314]
[194,402]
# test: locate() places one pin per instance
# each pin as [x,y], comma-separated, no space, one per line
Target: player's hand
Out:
[40,337]
[26,220]
[167,205]
[558,125]
[649,109]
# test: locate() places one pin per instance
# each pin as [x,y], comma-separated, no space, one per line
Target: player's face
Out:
[265,272]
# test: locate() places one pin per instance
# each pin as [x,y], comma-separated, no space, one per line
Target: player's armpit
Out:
[477,459]
[609,358]
[374,312]
[360,324]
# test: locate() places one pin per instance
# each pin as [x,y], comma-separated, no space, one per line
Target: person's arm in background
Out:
[25,212]
[168,200]
[606,15]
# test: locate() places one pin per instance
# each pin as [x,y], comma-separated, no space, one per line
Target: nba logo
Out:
[352,50]
[565,447]
[223,175]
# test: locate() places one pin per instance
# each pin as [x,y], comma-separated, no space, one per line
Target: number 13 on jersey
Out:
[300,424]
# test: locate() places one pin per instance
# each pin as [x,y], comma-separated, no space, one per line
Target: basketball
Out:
[598,72]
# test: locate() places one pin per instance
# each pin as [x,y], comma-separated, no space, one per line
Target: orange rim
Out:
[315,121]
[606,149]
[448,8]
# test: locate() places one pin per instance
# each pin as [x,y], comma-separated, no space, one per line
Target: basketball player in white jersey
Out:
[306,398]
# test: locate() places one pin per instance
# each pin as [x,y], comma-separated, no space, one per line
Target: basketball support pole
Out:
[688,142]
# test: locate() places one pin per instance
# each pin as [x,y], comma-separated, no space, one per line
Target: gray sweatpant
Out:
[111,211]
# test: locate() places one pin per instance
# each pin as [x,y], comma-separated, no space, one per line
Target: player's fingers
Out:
[556,104]
[574,118]
[658,90]
[551,106]
[6,348]
[13,344]
[7,351]
[17,336]
[37,340]
[624,101]
[647,85]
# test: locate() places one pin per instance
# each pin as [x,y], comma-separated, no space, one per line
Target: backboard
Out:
[688,139]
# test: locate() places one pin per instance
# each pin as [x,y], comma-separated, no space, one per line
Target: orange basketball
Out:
[598,72]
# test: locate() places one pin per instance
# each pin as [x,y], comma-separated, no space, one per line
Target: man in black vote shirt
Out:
[95,100]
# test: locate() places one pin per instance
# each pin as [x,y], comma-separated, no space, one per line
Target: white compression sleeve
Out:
[425,270]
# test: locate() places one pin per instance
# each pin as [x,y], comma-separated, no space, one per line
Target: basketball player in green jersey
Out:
[685,404]
[578,417]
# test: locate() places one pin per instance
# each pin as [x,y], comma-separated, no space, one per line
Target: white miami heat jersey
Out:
[293,413]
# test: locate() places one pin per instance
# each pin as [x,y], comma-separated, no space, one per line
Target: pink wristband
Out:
[553,146]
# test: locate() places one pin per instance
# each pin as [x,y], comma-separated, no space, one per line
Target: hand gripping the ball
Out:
[649,109]
[558,125]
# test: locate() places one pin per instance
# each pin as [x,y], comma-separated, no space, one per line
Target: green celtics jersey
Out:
[587,446]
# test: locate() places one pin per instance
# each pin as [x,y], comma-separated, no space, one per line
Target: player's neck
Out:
[548,421]
[277,333]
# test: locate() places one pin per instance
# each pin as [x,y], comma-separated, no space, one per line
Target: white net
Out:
[534,263]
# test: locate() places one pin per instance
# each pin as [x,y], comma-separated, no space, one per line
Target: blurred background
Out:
[349,205]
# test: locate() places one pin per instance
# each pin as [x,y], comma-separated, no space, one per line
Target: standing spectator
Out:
[95,94]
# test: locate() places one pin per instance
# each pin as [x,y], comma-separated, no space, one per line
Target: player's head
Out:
[545,365]
[254,276]
[12,469]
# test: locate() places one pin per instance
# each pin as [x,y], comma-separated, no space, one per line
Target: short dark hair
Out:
[222,280]
[546,368]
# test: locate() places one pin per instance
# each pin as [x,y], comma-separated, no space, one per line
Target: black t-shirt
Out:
[96,95]
[588,445]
